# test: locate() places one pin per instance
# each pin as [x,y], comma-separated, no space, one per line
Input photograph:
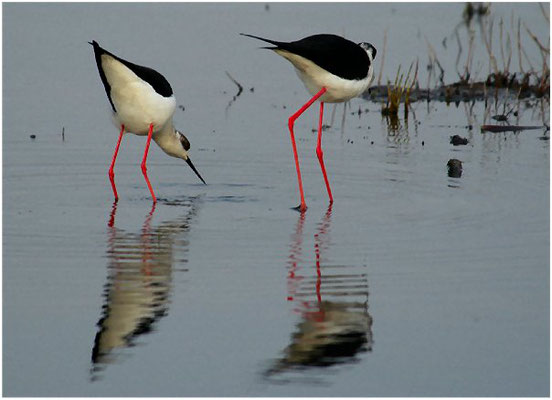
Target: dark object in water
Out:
[500,118]
[454,168]
[457,140]
[507,128]
[240,87]
[470,11]
[240,90]
[33,136]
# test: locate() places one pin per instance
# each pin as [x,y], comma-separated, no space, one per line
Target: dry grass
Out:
[499,83]
[401,87]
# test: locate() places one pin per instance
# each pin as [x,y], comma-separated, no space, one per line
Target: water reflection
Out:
[138,286]
[398,130]
[332,301]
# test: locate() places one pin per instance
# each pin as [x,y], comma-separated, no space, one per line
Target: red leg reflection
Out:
[296,249]
[319,243]
[146,242]
[299,287]
[112,215]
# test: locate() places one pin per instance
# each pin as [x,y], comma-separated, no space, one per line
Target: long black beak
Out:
[194,169]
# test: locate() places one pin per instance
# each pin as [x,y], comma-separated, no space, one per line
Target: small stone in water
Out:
[458,140]
[454,168]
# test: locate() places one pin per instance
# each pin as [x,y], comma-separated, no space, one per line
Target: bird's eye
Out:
[185,142]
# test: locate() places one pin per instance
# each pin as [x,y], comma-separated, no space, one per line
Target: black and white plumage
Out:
[141,100]
[343,67]
[333,70]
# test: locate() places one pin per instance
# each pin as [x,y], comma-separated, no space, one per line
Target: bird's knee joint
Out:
[319,152]
[144,169]
[291,121]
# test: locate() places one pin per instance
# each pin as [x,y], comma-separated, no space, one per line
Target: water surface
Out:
[413,283]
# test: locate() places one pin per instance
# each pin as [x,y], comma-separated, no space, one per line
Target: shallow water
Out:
[412,283]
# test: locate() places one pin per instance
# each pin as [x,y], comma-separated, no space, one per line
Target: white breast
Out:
[138,105]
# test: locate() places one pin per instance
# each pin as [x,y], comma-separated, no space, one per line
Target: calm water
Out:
[413,284]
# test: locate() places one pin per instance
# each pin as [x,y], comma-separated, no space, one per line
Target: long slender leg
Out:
[320,153]
[144,169]
[303,205]
[111,173]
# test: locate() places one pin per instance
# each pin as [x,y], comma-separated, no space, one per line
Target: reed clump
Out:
[529,80]
[400,91]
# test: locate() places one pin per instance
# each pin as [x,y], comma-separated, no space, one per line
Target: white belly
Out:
[314,78]
[138,105]
[338,89]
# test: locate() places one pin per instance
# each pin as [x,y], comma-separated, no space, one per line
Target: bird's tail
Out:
[97,48]
[274,42]
[95,44]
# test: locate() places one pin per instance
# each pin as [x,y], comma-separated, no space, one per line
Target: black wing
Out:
[335,54]
[154,78]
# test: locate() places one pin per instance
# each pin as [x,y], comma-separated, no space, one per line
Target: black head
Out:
[369,48]
[183,140]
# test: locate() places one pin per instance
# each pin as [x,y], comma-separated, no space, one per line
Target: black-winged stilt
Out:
[333,70]
[143,103]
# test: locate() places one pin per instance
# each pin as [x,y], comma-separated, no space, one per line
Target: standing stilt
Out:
[342,68]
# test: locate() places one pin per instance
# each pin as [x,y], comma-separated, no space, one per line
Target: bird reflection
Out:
[335,324]
[138,286]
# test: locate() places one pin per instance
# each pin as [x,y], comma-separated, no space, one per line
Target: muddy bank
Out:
[465,91]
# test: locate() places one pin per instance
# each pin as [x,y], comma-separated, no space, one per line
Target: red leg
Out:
[303,205]
[111,173]
[144,169]
[320,153]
